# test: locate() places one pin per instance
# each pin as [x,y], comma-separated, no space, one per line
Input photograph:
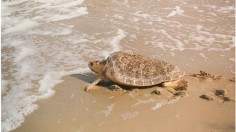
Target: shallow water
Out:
[45,40]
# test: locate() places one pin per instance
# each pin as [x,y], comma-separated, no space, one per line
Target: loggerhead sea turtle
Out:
[136,70]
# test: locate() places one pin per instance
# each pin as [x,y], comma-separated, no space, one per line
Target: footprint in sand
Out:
[220,93]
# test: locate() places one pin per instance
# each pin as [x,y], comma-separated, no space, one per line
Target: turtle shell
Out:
[137,70]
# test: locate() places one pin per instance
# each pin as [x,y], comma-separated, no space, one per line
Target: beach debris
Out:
[207,97]
[116,88]
[220,92]
[157,91]
[205,75]
[181,93]
[232,79]
[228,99]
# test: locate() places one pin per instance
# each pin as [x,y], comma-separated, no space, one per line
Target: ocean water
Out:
[44,40]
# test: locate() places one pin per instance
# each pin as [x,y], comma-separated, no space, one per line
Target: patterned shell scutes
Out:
[138,70]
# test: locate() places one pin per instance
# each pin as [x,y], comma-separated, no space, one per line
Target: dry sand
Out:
[72,109]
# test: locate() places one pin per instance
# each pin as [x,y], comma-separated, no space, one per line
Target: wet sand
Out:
[72,109]
[194,35]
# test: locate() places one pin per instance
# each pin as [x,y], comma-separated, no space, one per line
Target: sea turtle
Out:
[130,69]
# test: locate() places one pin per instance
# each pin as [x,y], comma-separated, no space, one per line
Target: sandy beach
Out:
[72,109]
[46,47]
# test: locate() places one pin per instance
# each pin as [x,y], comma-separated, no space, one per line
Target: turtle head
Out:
[97,66]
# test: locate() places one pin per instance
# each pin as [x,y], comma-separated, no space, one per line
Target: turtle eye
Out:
[91,63]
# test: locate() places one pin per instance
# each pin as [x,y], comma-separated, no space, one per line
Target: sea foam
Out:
[42,44]
[161,103]
[22,26]
[4,84]
[24,52]
[129,115]
[44,61]
[37,64]
[76,13]
[177,11]
[115,42]
[108,110]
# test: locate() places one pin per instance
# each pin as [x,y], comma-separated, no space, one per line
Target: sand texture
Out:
[47,44]
[103,109]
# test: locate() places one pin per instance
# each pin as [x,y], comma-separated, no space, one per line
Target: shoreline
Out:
[72,109]
[46,41]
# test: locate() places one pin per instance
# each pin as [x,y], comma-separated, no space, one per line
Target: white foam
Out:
[5,10]
[204,39]
[126,2]
[156,43]
[129,115]
[108,110]
[198,27]
[13,112]
[81,41]
[195,7]
[36,59]
[211,13]
[172,101]
[159,104]
[115,42]
[23,53]
[119,16]
[72,4]
[4,84]
[76,13]
[56,48]
[178,44]
[25,70]
[52,32]
[18,109]
[22,26]
[123,2]
[111,97]
[172,54]
[177,11]
[142,15]
[13,2]
[203,56]
[211,41]
[49,81]
[60,1]
[226,9]
[134,19]
[150,100]
[121,34]
[16,42]
[200,11]
[232,59]
[58,11]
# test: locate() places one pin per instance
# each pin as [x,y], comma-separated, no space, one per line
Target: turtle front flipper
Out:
[96,81]
[90,86]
